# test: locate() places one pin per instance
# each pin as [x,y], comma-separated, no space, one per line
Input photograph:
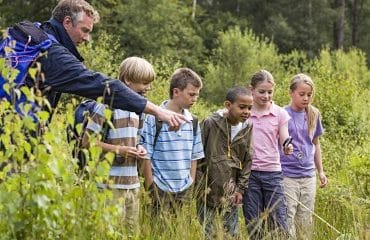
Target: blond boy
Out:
[137,74]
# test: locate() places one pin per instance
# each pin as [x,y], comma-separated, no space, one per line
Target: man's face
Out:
[79,31]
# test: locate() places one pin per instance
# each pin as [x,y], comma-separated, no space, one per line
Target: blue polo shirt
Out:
[172,154]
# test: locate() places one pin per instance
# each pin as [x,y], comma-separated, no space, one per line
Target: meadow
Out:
[49,199]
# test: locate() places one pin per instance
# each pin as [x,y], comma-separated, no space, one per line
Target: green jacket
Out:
[220,174]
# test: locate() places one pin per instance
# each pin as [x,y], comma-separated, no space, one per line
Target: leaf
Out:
[41,200]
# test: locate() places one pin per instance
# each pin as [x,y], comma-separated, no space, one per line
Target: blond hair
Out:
[313,113]
[74,9]
[261,76]
[136,70]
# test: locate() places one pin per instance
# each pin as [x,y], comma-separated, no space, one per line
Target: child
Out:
[137,74]
[226,167]
[170,168]
[299,169]
[265,195]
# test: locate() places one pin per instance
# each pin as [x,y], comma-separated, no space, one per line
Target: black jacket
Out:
[65,73]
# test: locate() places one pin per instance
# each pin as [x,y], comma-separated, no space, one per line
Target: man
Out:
[71,24]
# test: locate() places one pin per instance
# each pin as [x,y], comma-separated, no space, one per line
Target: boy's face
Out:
[140,88]
[240,110]
[187,97]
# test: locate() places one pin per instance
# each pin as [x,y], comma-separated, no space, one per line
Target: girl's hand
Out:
[288,149]
[323,180]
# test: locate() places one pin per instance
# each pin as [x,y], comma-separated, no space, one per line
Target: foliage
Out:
[156,27]
[17,10]
[238,55]
[47,198]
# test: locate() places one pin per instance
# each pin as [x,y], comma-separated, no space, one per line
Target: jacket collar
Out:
[58,31]
[220,120]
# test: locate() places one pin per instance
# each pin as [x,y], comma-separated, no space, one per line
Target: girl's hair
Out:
[136,70]
[235,92]
[261,76]
[312,113]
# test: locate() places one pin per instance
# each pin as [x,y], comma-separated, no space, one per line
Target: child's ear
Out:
[175,91]
[290,92]
[128,83]
[227,104]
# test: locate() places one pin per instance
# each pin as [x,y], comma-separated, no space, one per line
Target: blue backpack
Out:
[23,44]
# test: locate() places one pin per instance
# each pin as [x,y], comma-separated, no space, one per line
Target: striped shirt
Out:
[172,154]
[123,173]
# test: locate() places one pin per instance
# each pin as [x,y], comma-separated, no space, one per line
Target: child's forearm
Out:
[147,170]
[193,169]
[317,156]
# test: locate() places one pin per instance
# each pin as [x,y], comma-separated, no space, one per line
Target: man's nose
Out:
[86,37]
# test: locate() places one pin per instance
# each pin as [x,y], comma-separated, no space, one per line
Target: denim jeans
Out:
[206,216]
[264,204]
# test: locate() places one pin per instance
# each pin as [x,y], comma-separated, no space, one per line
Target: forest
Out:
[225,42]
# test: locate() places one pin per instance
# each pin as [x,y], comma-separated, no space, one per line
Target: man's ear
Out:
[67,22]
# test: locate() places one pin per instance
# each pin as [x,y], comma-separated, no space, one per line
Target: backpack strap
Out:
[158,127]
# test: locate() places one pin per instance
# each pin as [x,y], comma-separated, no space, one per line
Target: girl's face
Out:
[262,94]
[301,96]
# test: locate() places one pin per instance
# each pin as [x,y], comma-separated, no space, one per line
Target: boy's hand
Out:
[237,198]
[141,151]
[126,151]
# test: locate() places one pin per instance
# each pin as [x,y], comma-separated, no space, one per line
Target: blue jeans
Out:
[264,203]
[207,214]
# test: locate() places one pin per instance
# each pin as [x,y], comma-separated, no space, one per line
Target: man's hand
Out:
[174,120]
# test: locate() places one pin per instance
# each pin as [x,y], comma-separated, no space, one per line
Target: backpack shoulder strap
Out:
[195,125]
[158,127]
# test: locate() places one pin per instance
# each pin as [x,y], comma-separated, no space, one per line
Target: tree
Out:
[155,27]
[18,10]
[339,6]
